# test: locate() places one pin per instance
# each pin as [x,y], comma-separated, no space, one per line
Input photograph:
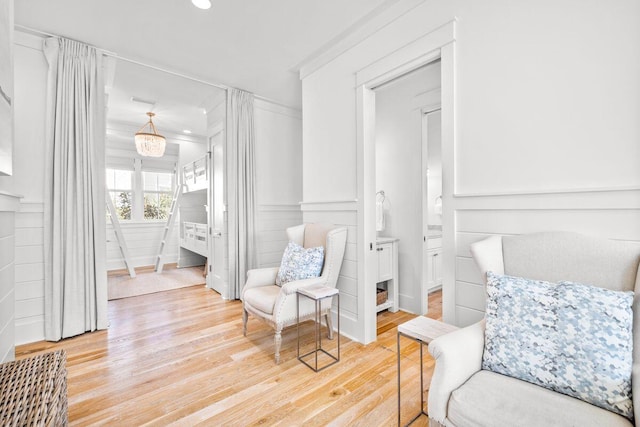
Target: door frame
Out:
[424,289]
[213,133]
[439,43]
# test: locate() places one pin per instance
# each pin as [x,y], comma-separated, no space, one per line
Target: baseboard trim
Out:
[143,269]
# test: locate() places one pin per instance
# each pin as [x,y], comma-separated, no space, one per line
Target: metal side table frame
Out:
[421,330]
[317,294]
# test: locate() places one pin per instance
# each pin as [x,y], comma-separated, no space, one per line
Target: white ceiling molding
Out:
[380,17]
[256,56]
[278,108]
[386,68]
[214,101]
[30,40]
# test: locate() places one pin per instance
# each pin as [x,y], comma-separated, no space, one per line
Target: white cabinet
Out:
[387,251]
[434,268]
[385,262]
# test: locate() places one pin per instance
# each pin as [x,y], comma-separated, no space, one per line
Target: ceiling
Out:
[253,45]
[178,102]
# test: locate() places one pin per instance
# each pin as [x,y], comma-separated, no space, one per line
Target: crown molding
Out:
[369,24]
[266,105]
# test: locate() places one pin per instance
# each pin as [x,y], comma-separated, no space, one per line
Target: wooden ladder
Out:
[119,236]
[171,219]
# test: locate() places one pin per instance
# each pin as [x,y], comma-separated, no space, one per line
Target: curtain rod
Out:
[115,55]
[26,29]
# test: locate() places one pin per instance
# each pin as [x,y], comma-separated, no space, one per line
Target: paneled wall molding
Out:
[551,191]
[383,15]
[330,205]
[279,207]
[141,224]
[31,206]
[600,199]
[9,202]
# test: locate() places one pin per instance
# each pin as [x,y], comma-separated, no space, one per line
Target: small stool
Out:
[422,330]
[317,294]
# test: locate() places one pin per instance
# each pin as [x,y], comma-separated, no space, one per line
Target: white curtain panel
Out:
[74,208]
[242,190]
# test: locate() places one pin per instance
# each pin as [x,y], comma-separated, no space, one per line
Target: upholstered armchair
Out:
[276,305]
[464,394]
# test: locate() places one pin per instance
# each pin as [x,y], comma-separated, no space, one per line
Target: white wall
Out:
[8,205]
[28,181]
[398,151]
[143,241]
[543,104]
[278,132]
[7,281]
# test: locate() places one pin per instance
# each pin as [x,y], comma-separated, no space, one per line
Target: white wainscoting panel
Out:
[29,273]
[342,214]
[143,241]
[272,222]
[7,292]
[612,214]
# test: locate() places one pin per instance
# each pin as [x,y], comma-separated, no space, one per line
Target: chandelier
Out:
[151,143]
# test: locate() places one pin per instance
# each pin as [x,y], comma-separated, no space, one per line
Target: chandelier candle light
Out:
[151,143]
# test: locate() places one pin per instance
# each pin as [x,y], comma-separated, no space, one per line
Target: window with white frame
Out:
[157,195]
[141,194]
[120,188]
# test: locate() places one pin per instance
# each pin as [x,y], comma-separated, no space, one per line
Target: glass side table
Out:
[318,294]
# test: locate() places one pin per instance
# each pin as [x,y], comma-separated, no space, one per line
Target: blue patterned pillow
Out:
[299,263]
[571,338]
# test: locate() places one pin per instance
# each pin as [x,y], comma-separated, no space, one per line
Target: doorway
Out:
[408,175]
[431,289]
[439,44]
[160,202]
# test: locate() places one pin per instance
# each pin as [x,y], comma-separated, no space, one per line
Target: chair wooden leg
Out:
[327,318]
[278,343]
[245,316]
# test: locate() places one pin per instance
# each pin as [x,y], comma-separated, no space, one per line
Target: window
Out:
[157,194]
[119,186]
[140,194]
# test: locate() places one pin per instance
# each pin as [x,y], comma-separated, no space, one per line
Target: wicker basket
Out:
[33,391]
[381,296]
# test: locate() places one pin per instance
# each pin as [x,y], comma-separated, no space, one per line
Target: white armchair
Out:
[462,394]
[276,305]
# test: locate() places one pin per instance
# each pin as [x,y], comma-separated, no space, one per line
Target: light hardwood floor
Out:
[179,357]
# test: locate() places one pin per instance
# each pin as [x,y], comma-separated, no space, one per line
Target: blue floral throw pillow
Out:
[571,338]
[299,263]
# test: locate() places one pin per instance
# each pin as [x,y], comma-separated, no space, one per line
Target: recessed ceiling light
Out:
[187,131]
[202,4]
